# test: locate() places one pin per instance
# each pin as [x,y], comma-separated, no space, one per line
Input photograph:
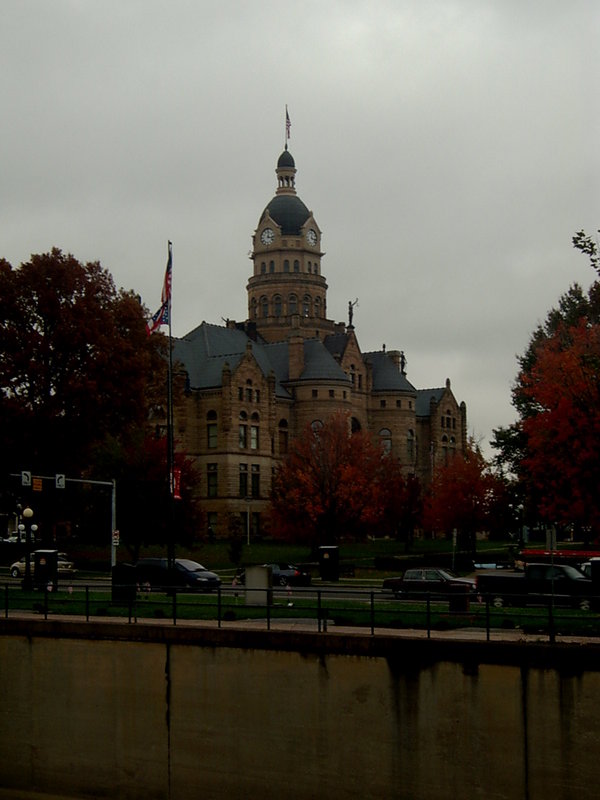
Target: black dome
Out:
[289,212]
[286,160]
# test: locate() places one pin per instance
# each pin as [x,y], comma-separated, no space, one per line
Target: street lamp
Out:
[27,514]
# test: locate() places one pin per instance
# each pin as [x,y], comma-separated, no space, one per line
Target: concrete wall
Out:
[149,712]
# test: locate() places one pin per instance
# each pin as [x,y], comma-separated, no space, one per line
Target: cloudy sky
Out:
[448,149]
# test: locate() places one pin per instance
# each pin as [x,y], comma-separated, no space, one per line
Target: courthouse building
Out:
[251,387]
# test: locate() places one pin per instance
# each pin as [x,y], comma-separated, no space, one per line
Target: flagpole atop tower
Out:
[288,126]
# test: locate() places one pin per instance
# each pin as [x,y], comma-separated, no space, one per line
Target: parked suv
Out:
[153,573]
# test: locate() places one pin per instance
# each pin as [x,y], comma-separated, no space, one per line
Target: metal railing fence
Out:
[322,607]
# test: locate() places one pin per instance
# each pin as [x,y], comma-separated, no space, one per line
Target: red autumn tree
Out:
[401,503]
[75,361]
[79,381]
[563,435]
[462,497]
[330,485]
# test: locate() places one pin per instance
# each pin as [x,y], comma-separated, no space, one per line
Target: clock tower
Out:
[287,294]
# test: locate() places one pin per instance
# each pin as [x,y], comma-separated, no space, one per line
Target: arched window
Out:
[316,425]
[263,267]
[264,307]
[317,306]
[277,305]
[316,268]
[292,304]
[306,306]
[296,265]
[385,437]
[211,429]
[445,449]
[254,308]
[243,431]
[355,425]
[254,430]
[271,266]
[286,265]
[283,437]
[309,266]
[410,445]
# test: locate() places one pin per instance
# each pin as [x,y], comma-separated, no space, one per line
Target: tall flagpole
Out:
[170,437]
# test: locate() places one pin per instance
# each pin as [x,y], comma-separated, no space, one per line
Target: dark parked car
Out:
[153,573]
[289,575]
[282,574]
[430,580]
[64,566]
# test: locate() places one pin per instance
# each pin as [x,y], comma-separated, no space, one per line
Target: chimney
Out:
[296,357]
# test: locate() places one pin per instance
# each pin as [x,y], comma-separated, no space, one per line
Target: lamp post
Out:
[27,514]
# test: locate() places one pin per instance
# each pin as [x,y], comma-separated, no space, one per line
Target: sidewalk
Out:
[467,634]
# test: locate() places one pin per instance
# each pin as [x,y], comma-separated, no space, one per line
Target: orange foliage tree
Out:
[331,485]
[563,436]
[463,496]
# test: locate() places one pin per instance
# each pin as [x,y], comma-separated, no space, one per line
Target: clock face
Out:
[311,237]
[267,236]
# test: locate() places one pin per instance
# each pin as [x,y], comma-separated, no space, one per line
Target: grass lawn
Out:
[338,608]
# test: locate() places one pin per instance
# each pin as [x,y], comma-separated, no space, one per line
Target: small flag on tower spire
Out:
[288,124]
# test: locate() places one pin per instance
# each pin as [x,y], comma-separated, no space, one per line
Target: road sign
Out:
[60,481]
[26,479]
[37,484]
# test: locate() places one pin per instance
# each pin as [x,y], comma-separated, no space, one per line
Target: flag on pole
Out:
[288,124]
[160,318]
[166,292]
[163,315]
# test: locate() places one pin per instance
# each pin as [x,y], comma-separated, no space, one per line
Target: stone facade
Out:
[254,386]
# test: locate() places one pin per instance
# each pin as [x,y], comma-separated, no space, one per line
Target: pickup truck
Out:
[418,582]
[537,584]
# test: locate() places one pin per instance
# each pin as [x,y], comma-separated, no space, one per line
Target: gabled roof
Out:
[386,375]
[424,397]
[336,343]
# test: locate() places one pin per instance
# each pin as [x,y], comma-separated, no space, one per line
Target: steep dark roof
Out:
[286,160]
[386,375]
[424,397]
[336,343]
[289,212]
[319,364]
[205,350]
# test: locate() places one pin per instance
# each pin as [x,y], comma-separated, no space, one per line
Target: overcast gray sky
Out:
[449,151]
